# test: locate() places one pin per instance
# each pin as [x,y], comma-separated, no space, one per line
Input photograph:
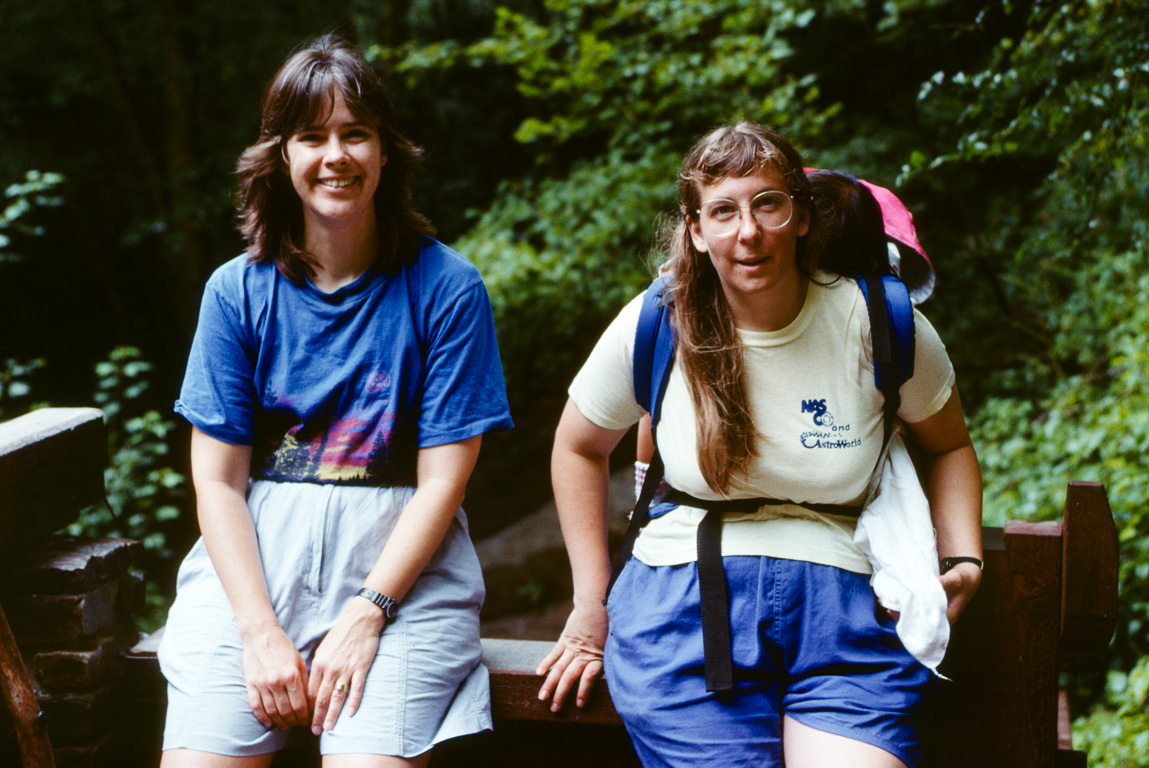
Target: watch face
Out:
[390,609]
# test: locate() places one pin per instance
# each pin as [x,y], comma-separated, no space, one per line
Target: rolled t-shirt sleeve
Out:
[603,390]
[218,393]
[464,393]
[932,383]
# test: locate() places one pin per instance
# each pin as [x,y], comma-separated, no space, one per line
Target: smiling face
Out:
[335,167]
[757,266]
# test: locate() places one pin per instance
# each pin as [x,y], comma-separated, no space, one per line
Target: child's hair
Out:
[854,235]
[300,94]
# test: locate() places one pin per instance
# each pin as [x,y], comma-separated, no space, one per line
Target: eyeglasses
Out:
[772,209]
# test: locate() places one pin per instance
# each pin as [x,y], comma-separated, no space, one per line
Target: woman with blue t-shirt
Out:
[341,378]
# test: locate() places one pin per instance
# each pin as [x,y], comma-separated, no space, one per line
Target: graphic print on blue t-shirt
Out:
[827,434]
[354,451]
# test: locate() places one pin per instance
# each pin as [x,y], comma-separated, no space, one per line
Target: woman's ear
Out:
[803,221]
[699,241]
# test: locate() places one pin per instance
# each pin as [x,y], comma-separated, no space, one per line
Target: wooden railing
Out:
[1047,603]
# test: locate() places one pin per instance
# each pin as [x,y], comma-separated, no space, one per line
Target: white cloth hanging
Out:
[897,535]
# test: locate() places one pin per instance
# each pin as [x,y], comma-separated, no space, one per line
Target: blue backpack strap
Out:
[653,349]
[892,336]
[653,355]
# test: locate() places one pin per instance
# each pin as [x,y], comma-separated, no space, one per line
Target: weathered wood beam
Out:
[51,466]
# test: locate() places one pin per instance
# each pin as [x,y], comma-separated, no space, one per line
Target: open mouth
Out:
[338,183]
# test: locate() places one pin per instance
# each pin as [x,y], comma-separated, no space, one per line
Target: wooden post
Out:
[1089,583]
[20,703]
[1034,554]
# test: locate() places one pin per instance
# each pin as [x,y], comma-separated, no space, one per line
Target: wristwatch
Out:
[389,605]
[949,562]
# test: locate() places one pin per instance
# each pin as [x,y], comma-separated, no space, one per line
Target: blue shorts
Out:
[317,543]
[806,642]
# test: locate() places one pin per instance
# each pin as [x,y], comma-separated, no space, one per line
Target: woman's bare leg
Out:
[376,761]
[806,747]
[190,758]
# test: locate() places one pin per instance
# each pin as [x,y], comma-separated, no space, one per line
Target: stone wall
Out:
[69,603]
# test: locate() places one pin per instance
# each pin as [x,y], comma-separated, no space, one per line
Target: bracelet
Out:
[948,563]
[389,605]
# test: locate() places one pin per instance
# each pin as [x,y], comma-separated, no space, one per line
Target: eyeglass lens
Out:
[771,209]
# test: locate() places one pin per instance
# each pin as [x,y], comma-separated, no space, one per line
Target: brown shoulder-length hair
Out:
[300,94]
[708,347]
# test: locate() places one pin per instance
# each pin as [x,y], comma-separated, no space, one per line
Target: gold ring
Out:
[341,687]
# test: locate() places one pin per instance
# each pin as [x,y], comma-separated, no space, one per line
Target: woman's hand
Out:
[276,678]
[343,660]
[576,656]
[960,584]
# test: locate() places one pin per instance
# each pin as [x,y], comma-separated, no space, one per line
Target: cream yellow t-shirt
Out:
[812,398]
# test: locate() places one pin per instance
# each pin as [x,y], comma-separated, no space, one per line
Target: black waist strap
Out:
[718,662]
[731,506]
[713,594]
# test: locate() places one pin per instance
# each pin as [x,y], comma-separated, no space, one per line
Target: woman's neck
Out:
[339,255]
[772,310]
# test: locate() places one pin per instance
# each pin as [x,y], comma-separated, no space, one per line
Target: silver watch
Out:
[389,605]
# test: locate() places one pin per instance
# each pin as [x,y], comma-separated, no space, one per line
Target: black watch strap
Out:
[949,562]
[389,605]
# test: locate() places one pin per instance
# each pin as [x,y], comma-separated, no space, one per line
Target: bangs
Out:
[736,154]
[305,99]
[740,150]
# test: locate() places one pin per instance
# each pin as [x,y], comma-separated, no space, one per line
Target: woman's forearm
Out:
[580,475]
[443,472]
[220,474]
[954,489]
[582,487]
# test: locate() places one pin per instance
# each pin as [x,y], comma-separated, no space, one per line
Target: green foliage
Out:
[1075,266]
[144,493]
[1091,425]
[613,94]
[1062,109]
[1052,135]
[1117,736]
[24,196]
[16,387]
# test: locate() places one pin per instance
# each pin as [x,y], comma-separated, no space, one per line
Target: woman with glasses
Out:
[771,397]
[341,378]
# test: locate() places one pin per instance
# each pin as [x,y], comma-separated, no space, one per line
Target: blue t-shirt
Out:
[345,387]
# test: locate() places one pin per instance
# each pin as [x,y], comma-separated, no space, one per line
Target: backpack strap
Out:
[892,338]
[653,356]
[653,349]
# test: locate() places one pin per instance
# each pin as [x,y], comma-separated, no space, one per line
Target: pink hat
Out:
[909,262]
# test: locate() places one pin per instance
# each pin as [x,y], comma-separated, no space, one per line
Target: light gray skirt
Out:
[317,544]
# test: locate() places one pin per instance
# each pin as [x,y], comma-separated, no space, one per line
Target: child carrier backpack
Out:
[890,306]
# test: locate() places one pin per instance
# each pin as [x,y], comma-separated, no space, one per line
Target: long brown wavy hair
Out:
[300,94]
[708,348]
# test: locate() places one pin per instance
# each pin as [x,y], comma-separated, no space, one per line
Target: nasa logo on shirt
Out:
[822,417]
[827,434]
